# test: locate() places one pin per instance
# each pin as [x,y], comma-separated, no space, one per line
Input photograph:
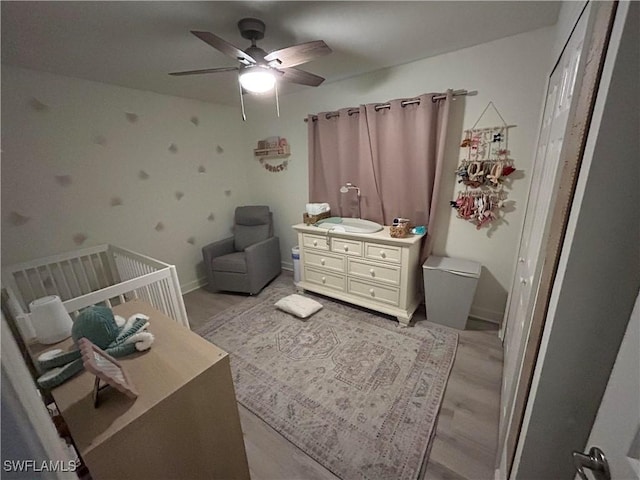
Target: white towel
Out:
[317,208]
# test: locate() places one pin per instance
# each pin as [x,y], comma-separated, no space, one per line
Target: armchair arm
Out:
[263,262]
[219,248]
[213,250]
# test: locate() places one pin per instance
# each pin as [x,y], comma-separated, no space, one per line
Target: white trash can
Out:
[295,256]
[449,287]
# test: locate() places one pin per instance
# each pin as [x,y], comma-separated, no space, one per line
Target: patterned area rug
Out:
[351,389]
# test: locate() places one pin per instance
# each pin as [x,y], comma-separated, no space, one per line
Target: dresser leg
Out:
[299,289]
[403,322]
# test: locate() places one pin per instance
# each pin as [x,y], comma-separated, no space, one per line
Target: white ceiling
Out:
[135,44]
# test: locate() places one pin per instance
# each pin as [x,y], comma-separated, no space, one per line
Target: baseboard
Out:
[201,282]
[287,266]
[486,315]
[194,285]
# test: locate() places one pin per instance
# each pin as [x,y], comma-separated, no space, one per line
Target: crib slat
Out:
[176,297]
[64,278]
[162,297]
[166,287]
[165,295]
[33,293]
[95,273]
[75,277]
[44,290]
[53,281]
[84,273]
[102,277]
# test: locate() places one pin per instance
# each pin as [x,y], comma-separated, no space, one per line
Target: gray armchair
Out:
[250,259]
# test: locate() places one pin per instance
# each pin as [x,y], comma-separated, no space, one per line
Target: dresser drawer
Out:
[387,253]
[375,271]
[348,247]
[324,261]
[376,293]
[315,241]
[326,279]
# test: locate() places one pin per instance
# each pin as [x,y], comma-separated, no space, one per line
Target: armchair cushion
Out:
[253,224]
[245,235]
[233,262]
[252,215]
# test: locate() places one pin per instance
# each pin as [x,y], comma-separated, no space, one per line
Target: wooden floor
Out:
[467,433]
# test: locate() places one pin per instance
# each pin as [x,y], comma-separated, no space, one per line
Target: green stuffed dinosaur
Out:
[113,334]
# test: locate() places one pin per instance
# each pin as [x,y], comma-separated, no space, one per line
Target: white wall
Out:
[59,126]
[511,72]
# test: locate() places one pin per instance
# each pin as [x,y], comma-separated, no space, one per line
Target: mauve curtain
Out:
[394,155]
[337,155]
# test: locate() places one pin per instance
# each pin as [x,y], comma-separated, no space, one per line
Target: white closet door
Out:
[546,168]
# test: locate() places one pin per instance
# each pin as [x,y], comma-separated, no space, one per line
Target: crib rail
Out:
[104,274]
[67,275]
[154,288]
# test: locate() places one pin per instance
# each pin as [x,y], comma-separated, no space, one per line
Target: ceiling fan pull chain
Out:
[244,117]
[277,100]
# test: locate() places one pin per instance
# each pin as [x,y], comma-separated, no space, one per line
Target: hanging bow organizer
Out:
[484,165]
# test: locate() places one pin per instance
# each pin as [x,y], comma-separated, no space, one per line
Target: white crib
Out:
[104,274]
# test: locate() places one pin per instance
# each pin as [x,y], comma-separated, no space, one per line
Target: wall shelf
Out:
[276,152]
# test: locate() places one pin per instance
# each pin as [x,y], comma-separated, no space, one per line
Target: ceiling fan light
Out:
[257,80]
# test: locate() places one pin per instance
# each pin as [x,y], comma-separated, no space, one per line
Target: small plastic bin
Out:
[449,287]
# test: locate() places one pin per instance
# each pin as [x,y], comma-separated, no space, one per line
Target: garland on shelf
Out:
[271,148]
[274,168]
[484,165]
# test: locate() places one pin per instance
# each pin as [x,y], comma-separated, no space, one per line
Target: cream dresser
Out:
[370,270]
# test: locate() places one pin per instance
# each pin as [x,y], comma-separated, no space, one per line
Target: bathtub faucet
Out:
[350,186]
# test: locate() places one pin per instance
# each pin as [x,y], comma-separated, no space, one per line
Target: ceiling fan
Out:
[258,70]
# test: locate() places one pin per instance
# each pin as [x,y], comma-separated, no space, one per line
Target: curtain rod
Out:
[442,96]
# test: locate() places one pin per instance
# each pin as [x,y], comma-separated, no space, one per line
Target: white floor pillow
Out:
[298,305]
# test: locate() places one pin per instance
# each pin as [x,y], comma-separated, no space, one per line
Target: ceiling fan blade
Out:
[224,46]
[297,54]
[205,70]
[295,75]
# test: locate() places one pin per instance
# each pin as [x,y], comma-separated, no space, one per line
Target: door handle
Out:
[596,461]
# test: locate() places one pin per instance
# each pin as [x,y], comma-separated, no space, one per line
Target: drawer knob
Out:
[346,248]
[322,261]
[315,243]
[372,292]
[324,279]
[372,272]
[382,254]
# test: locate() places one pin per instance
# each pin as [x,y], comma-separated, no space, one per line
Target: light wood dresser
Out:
[184,423]
[371,270]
